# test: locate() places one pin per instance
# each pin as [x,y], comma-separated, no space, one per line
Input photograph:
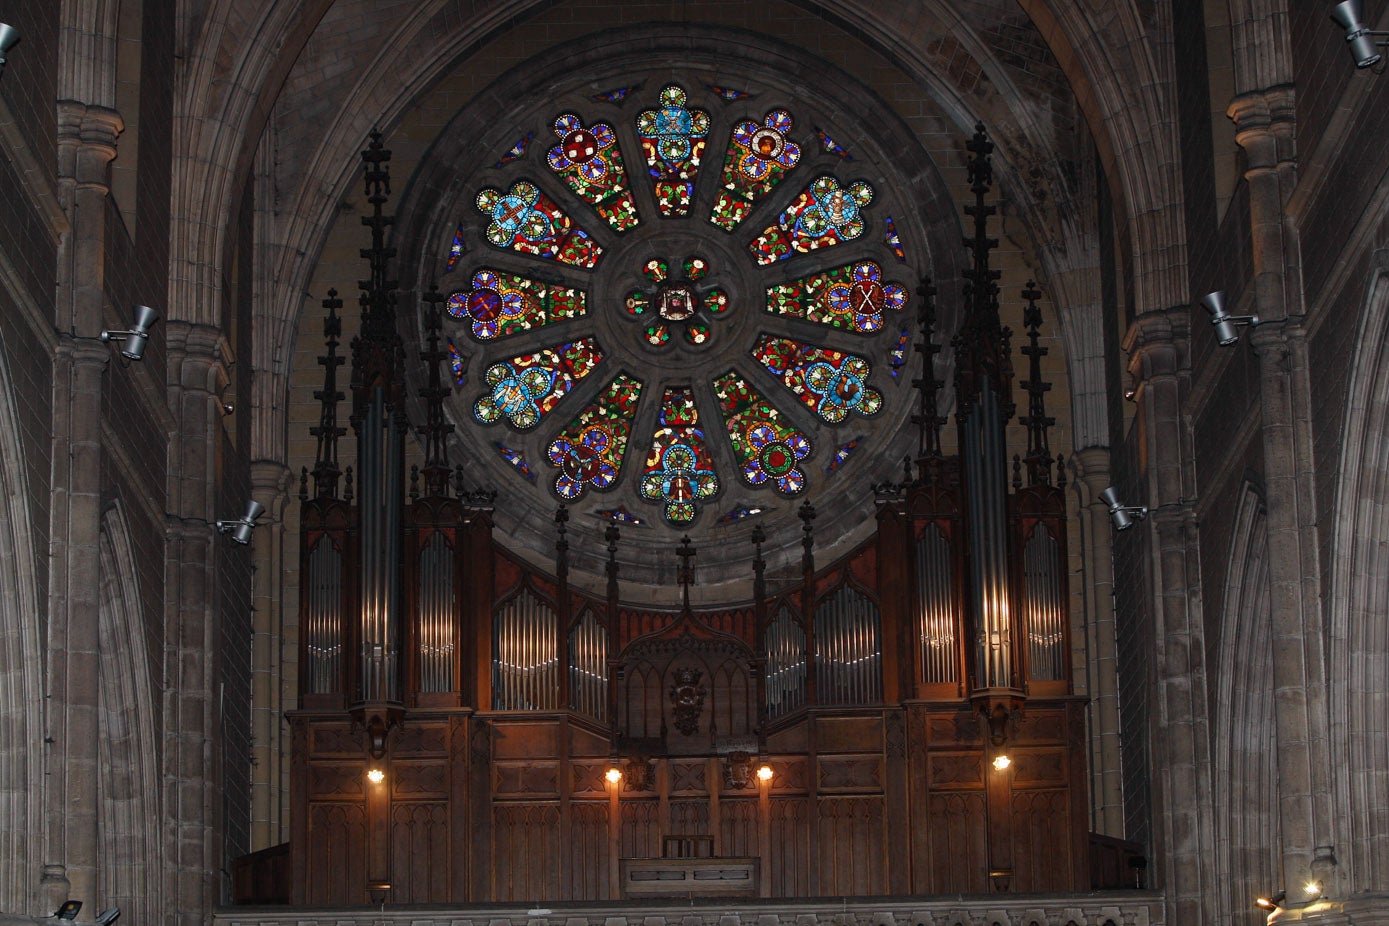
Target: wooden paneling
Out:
[790,848]
[419,852]
[337,868]
[586,863]
[959,853]
[525,852]
[851,849]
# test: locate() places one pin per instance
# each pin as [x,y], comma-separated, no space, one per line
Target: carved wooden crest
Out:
[687,696]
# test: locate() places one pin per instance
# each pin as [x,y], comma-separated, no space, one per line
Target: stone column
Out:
[191,743]
[1180,735]
[1102,656]
[1264,129]
[86,145]
[270,485]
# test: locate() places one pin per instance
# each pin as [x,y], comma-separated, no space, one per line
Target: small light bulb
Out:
[614,775]
[1001,762]
[1313,888]
[376,776]
[764,772]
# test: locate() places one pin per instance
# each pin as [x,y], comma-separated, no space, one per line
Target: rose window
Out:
[690,304]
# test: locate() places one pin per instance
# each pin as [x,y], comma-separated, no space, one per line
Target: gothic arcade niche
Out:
[894,719]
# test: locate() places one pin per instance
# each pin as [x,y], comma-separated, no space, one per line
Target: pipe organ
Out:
[540,742]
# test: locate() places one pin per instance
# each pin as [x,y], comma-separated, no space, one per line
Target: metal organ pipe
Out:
[524,662]
[324,631]
[985,461]
[849,655]
[588,667]
[436,616]
[785,652]
[1046,607]
[935,590]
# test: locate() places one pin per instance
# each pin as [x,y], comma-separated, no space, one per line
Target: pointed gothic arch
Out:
[1357,634]
[21,679]
[1248,838]
[128,771]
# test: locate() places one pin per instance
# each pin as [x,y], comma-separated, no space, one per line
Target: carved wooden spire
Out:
[377,351]
[436,429]
[982,347]
[325,469]
[1038,457]
[928,418]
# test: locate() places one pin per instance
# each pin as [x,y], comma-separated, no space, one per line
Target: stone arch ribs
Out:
[1261,43]
[1248,835]
[1358,638]
[1120,69]
[21,681]
[87,52]
[127,775]
[237,58]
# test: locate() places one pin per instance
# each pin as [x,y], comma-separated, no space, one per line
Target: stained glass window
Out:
[729,93]
[672,138]
[899,353]
[831,146]
[612,96]
[590,162]
[758,158]
[679,470]
[620,515]
[676,304]
[832,383]
[894,241]
[825,214]
[853,297]
[516,151]
[456,248]
[502,304]
[842,453]
[517,459]
[590,451]
[458,364]
[526,220]
[524,389]
[769,448]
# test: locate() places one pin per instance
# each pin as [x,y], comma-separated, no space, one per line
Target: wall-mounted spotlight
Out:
[69,910]
[1123,515]
[8,36]
[1350,16]
[1313,890]
[138,335]
[108,916]
[1224,323]
[240,529]
[1271,903]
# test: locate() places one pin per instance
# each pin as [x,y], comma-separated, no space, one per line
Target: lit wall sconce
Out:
[1123,515]
[613,774]
[8,36]
[1001,762]
[1350,16]
[240,529]
[764,772]
[1271,903]
[375,776]
[1224,323]
[138,335]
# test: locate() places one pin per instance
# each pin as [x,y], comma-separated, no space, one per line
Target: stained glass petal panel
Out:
[497,304]
[769,448]
[825,213]
[589,160]
[832,383]
[757,159]
[589,452]
[526,220]
[673,138]
[852,297]
[525,388]
[679,471]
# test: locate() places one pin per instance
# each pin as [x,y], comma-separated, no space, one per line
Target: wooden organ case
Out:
[540,743]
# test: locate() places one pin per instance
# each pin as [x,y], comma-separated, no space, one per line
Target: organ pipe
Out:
[436,622]
[785,656]
[525,660]
[848,655]
[985,462]
[588,667]
[323,618]
[935,603]
[1046,608]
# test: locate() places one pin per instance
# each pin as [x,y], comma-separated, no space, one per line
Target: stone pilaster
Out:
[1180,735]
[271,484]
[1264,128]
[86,144]
[1102,656]
[191,760]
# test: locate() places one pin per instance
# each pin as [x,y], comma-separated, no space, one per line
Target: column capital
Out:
[1264,123]
[1156,342]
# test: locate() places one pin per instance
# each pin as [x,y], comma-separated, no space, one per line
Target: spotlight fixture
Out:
[1001,762]
[138,335]
[1350,17]
[108,916]
[764,772]
[1313,889]
[8,36]
[240,529]
[1271,903]
[613,775]
[375,776]
[1224,323]
[69,910]
[1123,515]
